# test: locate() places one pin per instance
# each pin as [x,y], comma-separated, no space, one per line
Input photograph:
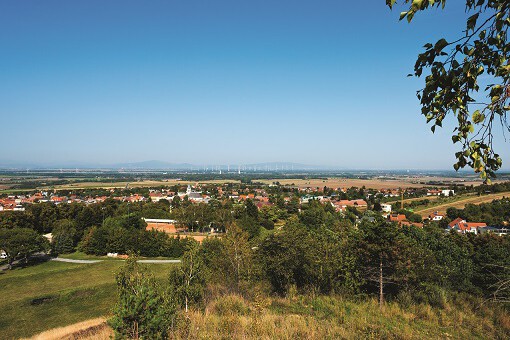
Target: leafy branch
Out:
[454,69]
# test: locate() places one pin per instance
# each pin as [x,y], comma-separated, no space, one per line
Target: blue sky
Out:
[216,82]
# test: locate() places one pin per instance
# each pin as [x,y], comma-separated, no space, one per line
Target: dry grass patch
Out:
[90,329]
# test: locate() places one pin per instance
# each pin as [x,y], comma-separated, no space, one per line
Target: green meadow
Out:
[53,294]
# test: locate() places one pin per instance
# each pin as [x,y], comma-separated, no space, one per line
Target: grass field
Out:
[460,203]
[54,294]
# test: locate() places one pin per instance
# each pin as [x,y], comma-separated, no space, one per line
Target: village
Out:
[362,201]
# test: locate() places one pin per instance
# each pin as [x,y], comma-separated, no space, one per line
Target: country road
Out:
[60,259]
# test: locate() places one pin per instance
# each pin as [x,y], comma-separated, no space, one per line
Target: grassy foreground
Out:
[232,317]
[54,294]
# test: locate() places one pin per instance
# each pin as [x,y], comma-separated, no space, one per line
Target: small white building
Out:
[386,207]
[447,192]
[19,207]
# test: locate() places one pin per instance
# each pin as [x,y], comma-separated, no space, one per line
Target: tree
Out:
[452,86]
[143,310]
[21,243]
[63,237]
[251,209]
[379,247]
[286,257]
[189,278]
[239,254]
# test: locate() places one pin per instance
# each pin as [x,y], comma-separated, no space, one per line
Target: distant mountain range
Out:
[160,165]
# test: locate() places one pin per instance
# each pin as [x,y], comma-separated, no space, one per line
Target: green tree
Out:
[20,243]
[63,237]
[286,258]
[379,246]
[452,86]
[251,209]
[143,310]
[239,255]
[189,278]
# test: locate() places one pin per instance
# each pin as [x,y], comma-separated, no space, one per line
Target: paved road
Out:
[159,261]
[59,259]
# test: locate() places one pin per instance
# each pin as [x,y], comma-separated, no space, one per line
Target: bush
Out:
[230,305]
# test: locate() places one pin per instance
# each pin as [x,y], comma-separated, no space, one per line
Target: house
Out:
[447,192]
[500,231]
[386,207]
[19,207]
[343,204]
[436,216]
[461,226]
[433,192]
[396,218]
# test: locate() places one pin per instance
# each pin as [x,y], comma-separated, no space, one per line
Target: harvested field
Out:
[373,183]
[460,204]
[140,184]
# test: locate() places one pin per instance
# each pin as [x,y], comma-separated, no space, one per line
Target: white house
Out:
[447,192]
[386,207]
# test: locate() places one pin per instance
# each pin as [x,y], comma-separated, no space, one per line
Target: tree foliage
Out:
[453,84]
[188,280]
[143,310]
[21,243]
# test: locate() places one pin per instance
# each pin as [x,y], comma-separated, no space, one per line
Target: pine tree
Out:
[143,310]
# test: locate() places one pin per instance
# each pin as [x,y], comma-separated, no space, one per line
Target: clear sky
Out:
[319,82]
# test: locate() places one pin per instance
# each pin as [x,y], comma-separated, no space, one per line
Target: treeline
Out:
[97,229]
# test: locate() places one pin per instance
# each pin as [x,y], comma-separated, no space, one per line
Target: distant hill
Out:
[154,164]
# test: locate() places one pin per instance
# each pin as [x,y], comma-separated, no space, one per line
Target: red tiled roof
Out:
[455,222]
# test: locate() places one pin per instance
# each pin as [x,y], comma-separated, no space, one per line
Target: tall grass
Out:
[330,317]
[324,317]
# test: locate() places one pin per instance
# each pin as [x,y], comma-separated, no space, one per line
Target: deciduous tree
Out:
[452,86]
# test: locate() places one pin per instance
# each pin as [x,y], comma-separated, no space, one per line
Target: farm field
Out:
[461,203]
[54,294]
[132,184]
[373,183]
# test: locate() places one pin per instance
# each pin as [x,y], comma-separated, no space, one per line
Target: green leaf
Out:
[478,117]
[440,44]
[471,22]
